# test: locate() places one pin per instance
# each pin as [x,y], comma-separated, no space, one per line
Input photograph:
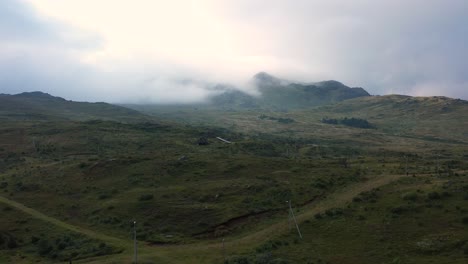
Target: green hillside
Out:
[42,106]
[394,192]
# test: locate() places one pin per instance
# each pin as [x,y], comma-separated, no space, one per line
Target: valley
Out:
[391,193]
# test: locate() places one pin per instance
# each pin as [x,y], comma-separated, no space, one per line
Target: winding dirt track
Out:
[36,214]
[202,252]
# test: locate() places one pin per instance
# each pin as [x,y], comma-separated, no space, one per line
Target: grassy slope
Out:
[240,244]
[397,223]
[92,175]
[41,106]
[28,236]
[406,124]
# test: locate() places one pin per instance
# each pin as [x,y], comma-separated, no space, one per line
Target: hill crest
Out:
[43,106]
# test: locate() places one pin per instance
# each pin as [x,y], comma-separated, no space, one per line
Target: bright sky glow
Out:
[147,50]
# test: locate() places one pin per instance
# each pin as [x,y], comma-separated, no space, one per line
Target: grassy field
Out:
[395,193]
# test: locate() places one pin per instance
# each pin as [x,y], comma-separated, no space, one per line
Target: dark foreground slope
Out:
[389,194]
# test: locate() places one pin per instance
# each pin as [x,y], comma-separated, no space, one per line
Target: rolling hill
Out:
[43,106]
[71,186]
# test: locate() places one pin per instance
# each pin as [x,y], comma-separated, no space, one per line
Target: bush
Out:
[334,212]
[411,196]
[264,258]
[34,239]
[465,220]
[369,196]
[398,210]
[267,247]
[103,196]
[238,260]
[433,195]
[352,122]
[7,241]
[279,120]
[146,197]
[12,243]
[44,248]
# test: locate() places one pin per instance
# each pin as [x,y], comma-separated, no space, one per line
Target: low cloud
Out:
[161,52]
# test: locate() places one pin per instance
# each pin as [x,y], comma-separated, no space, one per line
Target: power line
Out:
[294,218]
[135,246]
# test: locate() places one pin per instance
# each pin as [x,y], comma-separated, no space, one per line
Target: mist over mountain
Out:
[278,93]
[83,50]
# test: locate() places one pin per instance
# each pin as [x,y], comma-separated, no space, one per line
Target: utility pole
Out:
[135,243]
[406,165]
[34,144]
[294,218]
[224,252]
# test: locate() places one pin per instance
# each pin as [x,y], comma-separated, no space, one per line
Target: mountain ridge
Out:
[278,93]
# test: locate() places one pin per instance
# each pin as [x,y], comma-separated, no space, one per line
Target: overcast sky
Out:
[147,50]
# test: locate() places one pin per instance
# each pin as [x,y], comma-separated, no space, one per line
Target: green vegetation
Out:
[25,238]
[40,106]
[71,187]
[278,119]
[352,122]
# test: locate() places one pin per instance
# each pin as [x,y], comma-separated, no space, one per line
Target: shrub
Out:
[146,197]
[103,196]
[34,239]
[465,220]
[238,260]
[264,258]
[352,122]
[12,243]
[334,212]
[43,247]
[398,210]
[411,196]
[267,247]
[433,195]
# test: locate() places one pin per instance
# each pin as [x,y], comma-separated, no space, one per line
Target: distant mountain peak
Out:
[330,83]
[276,93]
[264,76]
[266,79]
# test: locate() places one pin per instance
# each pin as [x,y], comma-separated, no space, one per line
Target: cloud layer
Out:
[166,51]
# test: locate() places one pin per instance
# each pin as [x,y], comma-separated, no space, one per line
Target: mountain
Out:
[43,106]
[282,94]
